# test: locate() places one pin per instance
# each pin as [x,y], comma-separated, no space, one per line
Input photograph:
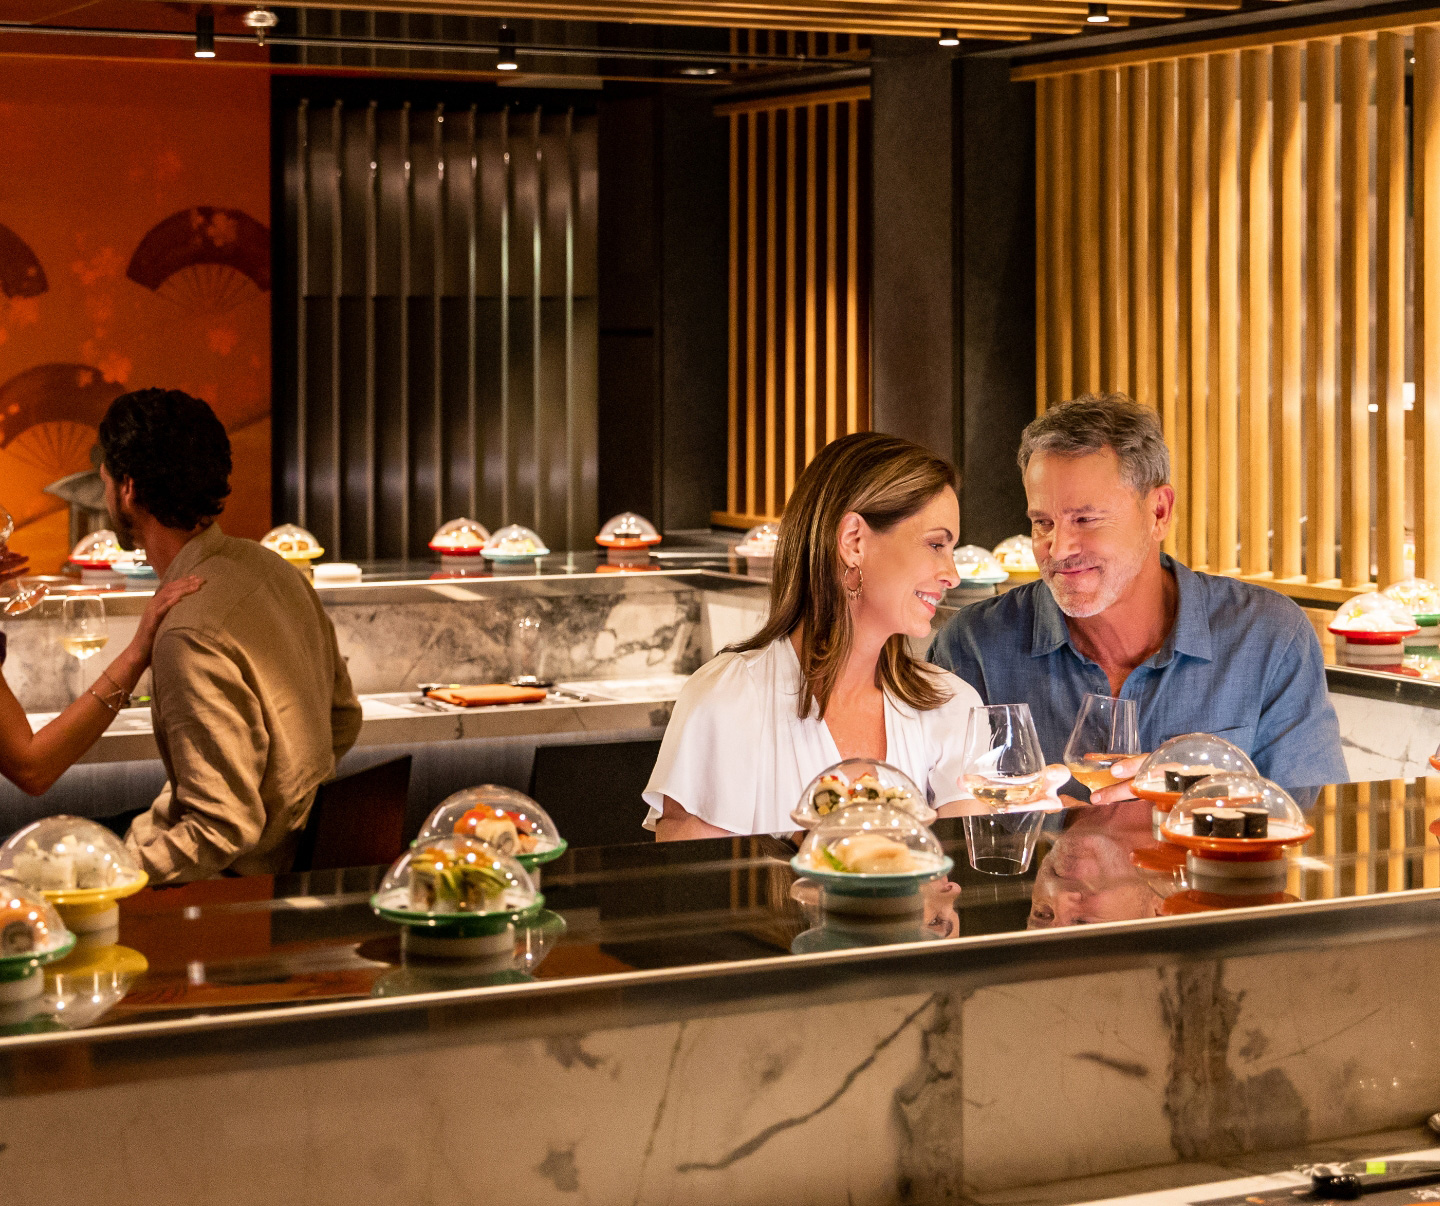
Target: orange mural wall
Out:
[134,252]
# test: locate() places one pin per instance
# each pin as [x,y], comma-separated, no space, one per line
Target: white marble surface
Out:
[1386,740]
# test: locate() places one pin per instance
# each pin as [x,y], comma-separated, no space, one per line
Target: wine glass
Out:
[84,633]
[1006,764]
[1106,730]
[7,527]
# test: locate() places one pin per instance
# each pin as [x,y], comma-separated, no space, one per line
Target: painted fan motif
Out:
[204,260]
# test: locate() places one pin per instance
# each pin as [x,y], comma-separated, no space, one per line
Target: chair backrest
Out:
[593,791]
[357,821]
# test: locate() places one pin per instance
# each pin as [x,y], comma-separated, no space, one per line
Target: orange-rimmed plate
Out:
[1242,849]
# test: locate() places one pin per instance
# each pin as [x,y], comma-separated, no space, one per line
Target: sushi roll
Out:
[1228,823]
[499,832]
[1183,778]
[1257,822]
[1202,822]
[830,794]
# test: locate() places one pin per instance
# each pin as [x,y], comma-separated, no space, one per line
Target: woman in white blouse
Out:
[864,558]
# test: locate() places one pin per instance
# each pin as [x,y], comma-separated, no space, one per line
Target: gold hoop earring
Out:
[853,591]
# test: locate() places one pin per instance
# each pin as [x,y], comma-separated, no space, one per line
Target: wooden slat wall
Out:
[799,290]
[1205,243]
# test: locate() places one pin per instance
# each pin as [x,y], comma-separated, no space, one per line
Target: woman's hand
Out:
[158,608]
[1118,793]
[13,565]
[1056,775]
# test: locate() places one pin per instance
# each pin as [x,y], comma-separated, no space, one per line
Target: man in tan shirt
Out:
[252,705]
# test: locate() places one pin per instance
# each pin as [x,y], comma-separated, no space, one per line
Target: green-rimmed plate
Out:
[18,967]
[854,883]
[541,857]
[454,925]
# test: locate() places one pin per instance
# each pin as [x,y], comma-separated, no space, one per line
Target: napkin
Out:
[494,693]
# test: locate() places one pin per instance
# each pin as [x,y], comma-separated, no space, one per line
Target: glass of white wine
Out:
[85,632]
[1106,731]
[1007,767]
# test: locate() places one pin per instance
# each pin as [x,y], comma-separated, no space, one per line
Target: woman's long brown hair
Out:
[883,479]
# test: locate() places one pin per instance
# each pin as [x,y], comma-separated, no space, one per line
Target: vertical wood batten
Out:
[732,447]
[771,409]
[1061,242]
[1166,180]
[751,274]
[1087,208]
[832,300]
[1355,309]
[1255,310]
[1143,238]
[1390,305]
[812,360]
[1288,222]
[1320,310]
[1114,354]
[1427,303]
[1043,285]
[791,168]
[1225,309]
[852,271]
[1197,141]
[302,276]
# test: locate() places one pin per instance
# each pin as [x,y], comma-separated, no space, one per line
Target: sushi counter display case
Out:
[702,1021]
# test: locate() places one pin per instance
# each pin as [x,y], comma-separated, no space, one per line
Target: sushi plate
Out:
[465,924]
[855,883]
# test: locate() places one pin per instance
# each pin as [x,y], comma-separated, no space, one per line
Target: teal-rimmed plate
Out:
[853,883]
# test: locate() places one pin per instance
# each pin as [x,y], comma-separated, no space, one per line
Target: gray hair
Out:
[1094,421]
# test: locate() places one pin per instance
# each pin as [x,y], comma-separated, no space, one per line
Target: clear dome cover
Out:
[452,878]
[1237,807]
[71,860]
[1370,616]
[1016,553]
[1177,765]
[292,542]
[29,925]
[978,565]
[514,541]
[628,531]
[506,819]
[1419,596]
[460,538]
[99,549]
[760,541]
[869,841]
[859,781]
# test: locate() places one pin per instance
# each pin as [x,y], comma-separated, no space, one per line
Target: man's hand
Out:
[1119,792]
[13,565]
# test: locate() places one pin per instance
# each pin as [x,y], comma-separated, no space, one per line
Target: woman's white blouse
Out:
[737,755]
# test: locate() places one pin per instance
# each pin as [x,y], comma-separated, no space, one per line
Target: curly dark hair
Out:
[175,451]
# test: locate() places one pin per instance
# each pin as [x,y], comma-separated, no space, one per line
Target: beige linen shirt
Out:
[252,709]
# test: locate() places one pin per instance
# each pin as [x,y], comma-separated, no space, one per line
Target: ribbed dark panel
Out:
[440,358]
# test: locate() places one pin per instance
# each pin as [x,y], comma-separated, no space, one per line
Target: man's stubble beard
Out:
[1114,582]
[124,530]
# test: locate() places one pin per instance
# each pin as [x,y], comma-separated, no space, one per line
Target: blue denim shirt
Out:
[1241,661]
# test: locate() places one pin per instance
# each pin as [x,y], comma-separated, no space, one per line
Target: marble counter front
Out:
[654,1039]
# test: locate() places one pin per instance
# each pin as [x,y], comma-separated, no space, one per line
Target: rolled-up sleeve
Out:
[216,749]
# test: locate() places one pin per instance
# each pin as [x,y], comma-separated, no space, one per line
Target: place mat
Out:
[480,697]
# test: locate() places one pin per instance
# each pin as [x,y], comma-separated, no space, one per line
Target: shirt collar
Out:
[1189,635]
[196,550]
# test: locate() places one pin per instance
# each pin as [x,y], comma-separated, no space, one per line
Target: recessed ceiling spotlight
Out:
[507,60]
[204,35]
[1099,15]
[949,37]
[699,71]
[261,20]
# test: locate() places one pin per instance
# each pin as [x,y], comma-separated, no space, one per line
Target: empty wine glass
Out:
[1106,730]
[527,653]
[1006,764]
[85,632]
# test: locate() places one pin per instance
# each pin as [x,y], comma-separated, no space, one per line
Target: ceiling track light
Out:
[1099,15]
[507,60]
[949,37]
[204,35]
[261,20]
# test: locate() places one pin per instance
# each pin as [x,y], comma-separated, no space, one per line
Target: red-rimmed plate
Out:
[1394,637]
[477,551]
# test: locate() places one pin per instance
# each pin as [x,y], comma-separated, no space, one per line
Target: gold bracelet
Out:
[122,695]
[104,703]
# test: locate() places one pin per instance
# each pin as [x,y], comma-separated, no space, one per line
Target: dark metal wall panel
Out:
[439,338]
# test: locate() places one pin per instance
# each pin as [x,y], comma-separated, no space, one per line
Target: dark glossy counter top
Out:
[722,917]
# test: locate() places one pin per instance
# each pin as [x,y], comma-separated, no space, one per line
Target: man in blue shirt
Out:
[1113,615]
